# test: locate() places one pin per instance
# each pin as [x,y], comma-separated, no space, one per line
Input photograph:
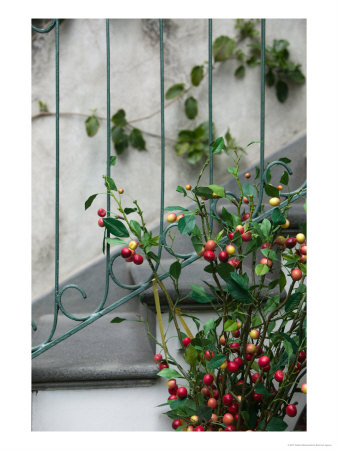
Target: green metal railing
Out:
[137,289]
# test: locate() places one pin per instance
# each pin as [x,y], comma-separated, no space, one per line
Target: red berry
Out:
[172,397]
[246,237]
[302,356]
[231,235]
[208,354]
[101,212]
[138,259]
[208,379]
[266,368]
[205,392]
[182,392]
[296,274]
[215,394]
[232,366]
[223,256]
[257,397]
[228,419]
[164,365]
[255,377]
[234,347]
[199,428]
[234,262]
[233,408]
[173,390]
[126,252]
[230,428]
[176,423]
[186,341]
[267,245]
[245,216]
[238,361]
[291,242]
[100,222]
[210,245]
[212,403]
[158,358]
[303,250]
[279,375]
[291,410]
[248,356]
[209,255]
[236,333]
[263,361]
[245,200]
[227,399]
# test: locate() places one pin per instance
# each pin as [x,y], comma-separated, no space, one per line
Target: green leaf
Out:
[196,75]
[293,301]
[227,217]
[261,389]
[43,107]
[110,183]
[240,72]
[119,118]
[209,325]
[261,269]
[223,48]
[282,281]
[203,191]
[204,413]
[195,155]
[216,361]
[230,325]
[117,134]
[271,254]
[181,190]
[248,190]
[175,91]
[136,139]
[122,144]
[112,160]
[288,348]
[199,294]
[197,243]
[129,210]
[191,355]
[115,227]
[277,217]
[175,269]
[182,148]
[285,160]
[285,178]
[169,373]
[175,208]
[270,78]
[92,125]
[117,320]
[224,270]
[154,257]
[216,189]
[236,288]
[218,145]
[186,224]
[253,245]
[265,227]
[272,303]
[191,107]
[115,241]
[233,171]
[271,191]
[136,228]
[276,424]
[90,200]
[271,326]
[282,91]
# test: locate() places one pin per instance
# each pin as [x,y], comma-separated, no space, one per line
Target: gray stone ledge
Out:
[101,354]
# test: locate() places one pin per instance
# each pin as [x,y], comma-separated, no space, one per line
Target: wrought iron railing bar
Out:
[262,120]
[47,29]
[211,162]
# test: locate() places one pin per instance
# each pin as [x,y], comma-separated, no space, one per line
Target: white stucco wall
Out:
[135,87]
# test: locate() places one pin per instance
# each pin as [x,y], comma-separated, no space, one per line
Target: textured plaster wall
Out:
[135,87]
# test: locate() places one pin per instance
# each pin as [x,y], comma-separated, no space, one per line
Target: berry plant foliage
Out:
[241,368]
